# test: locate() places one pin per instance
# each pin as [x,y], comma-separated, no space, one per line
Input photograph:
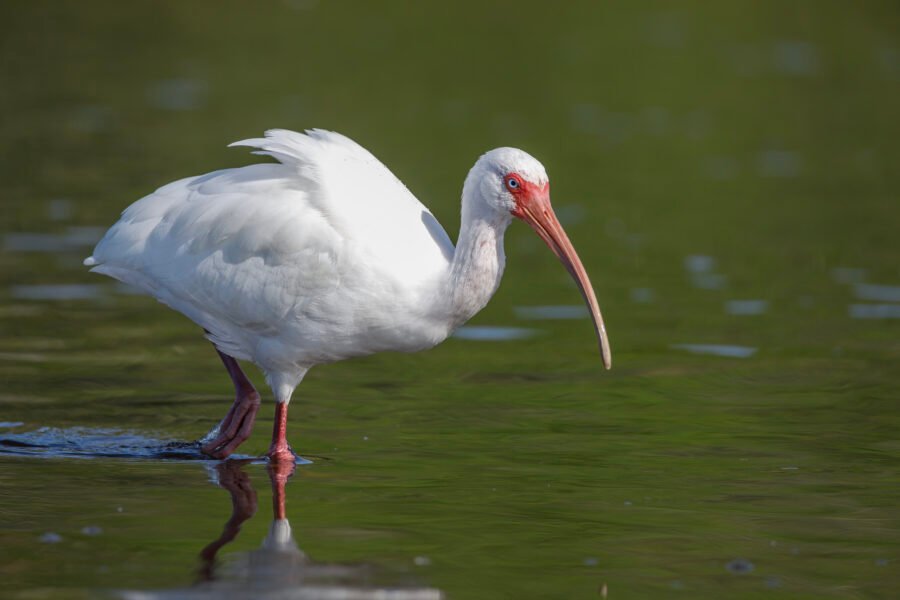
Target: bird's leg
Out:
[280,450]
[235,428]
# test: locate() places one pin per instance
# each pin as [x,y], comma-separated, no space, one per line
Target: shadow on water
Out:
[278,568]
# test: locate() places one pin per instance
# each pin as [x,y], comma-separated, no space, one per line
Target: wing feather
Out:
[244,252]
[364,200]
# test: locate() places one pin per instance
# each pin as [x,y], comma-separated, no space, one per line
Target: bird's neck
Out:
[477,263]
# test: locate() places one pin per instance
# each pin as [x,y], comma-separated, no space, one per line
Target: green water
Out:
[700,153]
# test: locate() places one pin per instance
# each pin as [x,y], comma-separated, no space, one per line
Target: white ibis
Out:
[323,256]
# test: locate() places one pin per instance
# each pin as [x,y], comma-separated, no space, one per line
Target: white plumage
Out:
[322,256]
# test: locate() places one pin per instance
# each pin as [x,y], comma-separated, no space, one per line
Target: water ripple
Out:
[718,349]
[71,291]
[487,333]
[85,442]
[746,307]
[874,311]
[880,293]
[552,312]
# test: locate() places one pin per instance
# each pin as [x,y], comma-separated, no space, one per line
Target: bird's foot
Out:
[234,429]
[281,455]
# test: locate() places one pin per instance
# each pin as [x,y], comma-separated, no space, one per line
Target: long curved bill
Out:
[539,215]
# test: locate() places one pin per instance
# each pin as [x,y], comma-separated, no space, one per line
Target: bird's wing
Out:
[244,251]
[363,200]
[238,251]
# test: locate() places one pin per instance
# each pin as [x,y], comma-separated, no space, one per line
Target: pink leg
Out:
[235,428]
[280,451]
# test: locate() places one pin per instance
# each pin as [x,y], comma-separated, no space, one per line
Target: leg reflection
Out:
[230,475]
[278,568]
[279,545]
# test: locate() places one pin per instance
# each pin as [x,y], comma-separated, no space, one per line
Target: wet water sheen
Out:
[728,174]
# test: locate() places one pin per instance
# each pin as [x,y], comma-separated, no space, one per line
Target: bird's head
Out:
[512,182]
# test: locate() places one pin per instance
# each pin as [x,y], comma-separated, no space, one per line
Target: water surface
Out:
[728,175]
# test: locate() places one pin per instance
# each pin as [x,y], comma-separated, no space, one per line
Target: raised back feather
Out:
[362,199]
[298,149]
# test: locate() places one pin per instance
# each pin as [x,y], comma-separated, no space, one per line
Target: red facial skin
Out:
[533,207]
[526,193]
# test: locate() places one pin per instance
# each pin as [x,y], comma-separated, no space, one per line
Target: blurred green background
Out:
[728,172]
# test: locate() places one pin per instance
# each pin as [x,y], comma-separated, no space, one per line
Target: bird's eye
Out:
[512,183]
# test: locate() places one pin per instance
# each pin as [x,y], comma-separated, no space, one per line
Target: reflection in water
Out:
[491,333]
[66,291]
[779,163]
[848,274]
[874,311]
[746,307]
[796,58]
[74,239]
[182,94]
[278,568]
[699,263]
[642,295]
[553,312]
[881,293]
[718,349]
[700,268]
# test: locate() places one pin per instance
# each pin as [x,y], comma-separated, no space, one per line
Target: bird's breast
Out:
[365,311]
